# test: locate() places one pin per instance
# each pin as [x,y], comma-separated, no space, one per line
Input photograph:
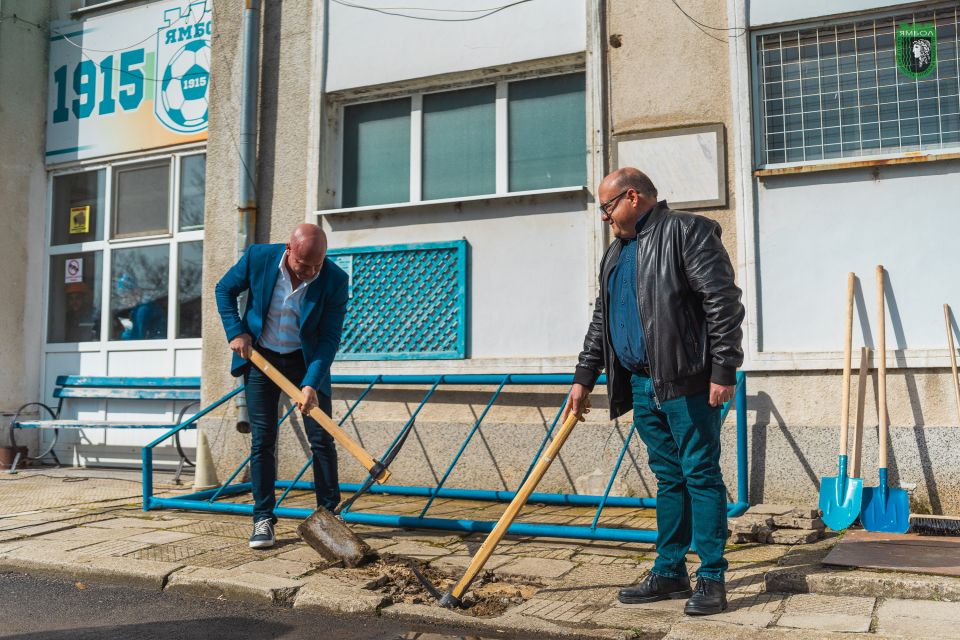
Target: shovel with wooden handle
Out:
[885,509]
[453,597]
[840,496]
[376,469]
[324,531]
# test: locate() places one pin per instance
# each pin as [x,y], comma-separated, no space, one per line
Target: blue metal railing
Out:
[205,500]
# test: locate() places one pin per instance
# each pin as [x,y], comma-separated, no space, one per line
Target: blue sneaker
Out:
[263,537]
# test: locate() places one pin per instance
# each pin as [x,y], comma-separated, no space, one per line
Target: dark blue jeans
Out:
[263,397]
[683,444]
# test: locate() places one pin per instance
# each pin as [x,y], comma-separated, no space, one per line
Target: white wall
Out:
[527,264]
[369,48]
[767,12]
[814,228]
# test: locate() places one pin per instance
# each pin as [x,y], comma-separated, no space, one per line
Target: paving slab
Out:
[329,594]
[828,613]
[377,542]
[303,554]
[706,630]
[124,523]
[750,610]
[455,564]
[919,619]
[536,570]
[770,509]
[121,571]
[161,537]
[416,550]
[245,587]
[276,567]
[40,529]
[110,548]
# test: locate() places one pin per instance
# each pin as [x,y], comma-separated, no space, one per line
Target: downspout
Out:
[249,96]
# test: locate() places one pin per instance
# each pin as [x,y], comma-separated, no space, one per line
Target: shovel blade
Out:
[332,539]
[887,516]
[840,505]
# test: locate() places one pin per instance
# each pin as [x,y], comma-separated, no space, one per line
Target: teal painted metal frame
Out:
[206,500]
[461,348]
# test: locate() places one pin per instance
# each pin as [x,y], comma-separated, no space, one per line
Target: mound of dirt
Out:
[488,596]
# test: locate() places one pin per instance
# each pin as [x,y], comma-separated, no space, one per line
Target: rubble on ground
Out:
[776,524]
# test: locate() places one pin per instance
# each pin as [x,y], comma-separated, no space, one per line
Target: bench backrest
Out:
[173,388]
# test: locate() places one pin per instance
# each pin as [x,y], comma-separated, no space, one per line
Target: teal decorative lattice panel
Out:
[406,301]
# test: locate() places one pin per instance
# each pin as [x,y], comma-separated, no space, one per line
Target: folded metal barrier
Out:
[207,500]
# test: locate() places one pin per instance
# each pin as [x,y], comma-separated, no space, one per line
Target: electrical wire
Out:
[701,26]
[81,47]
[388,11]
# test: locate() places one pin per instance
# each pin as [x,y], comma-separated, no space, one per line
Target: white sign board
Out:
[687,166]
[345,262]
[74,270]
[137,78]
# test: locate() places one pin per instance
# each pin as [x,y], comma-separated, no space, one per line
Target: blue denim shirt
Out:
[624,319]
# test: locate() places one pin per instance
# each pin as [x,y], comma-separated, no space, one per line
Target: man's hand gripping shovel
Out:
[322,530]
[453,597]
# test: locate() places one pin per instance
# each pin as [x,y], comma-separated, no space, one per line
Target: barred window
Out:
[836,92]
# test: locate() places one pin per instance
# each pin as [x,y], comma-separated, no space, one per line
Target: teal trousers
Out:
[683,444]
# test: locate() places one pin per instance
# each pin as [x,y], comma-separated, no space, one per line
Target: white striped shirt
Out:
[281,327]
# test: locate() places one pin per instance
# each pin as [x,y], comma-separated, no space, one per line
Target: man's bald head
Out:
[627,195]
[306,250]
[630,178]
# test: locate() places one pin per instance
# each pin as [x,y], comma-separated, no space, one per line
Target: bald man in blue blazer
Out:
[296,304]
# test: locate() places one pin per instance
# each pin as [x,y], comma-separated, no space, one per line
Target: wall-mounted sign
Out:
[916,49]
[80,220]
[687,165]
[130,80]
[74,270]
[345,262]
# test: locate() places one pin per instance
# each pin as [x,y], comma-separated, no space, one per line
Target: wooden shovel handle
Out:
[882,366]
[329,425]
[953,356]
[847,347]
[858,424]
[490,544]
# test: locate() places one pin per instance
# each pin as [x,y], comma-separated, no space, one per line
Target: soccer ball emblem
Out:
[183,89]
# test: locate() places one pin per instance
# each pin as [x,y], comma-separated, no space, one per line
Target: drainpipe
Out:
[249,95]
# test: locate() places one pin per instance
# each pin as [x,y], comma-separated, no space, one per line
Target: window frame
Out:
[106,246]
[501,135]
[761,168]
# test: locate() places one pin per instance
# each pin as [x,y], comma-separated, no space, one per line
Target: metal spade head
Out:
[332,539]
[447,600]
[840,498]
[885,509]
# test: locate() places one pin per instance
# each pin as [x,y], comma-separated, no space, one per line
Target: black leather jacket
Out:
[690,312]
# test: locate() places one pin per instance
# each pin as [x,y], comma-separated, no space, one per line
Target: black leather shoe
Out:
[656,588]
[709,597]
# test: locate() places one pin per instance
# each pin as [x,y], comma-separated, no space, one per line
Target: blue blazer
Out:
[321,318]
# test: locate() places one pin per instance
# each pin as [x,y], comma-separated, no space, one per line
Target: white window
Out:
[124,255]
[834,91]
[509,136]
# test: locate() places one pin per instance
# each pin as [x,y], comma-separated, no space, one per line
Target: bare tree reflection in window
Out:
[139,292]
[190,269]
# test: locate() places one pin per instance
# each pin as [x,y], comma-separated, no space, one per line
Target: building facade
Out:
[452,157]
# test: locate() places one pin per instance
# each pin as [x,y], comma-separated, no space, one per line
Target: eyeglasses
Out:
[603,207]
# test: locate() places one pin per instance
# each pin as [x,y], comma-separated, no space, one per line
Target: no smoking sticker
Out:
[74,270]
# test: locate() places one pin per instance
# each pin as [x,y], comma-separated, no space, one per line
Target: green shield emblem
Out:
[916,49]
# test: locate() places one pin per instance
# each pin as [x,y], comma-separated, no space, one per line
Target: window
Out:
[141,200]
[78,207]
[142,282]
[494,139]
[547,125]
[459,143]
[836,92]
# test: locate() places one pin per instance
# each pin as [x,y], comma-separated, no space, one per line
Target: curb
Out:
[119,571]
[323,593]
[506,623]
[244,587]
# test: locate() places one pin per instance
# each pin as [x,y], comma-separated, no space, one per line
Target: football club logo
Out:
[182,98]
[916,49]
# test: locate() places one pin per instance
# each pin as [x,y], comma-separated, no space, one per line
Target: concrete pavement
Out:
[95,532]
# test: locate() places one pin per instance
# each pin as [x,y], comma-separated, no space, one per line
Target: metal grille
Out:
[407,302]
[835,91]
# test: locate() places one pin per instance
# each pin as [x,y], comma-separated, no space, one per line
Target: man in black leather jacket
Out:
[666,328]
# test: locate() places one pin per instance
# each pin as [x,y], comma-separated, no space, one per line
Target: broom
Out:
[930,525]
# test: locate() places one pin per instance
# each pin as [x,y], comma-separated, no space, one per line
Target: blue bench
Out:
[105,388]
